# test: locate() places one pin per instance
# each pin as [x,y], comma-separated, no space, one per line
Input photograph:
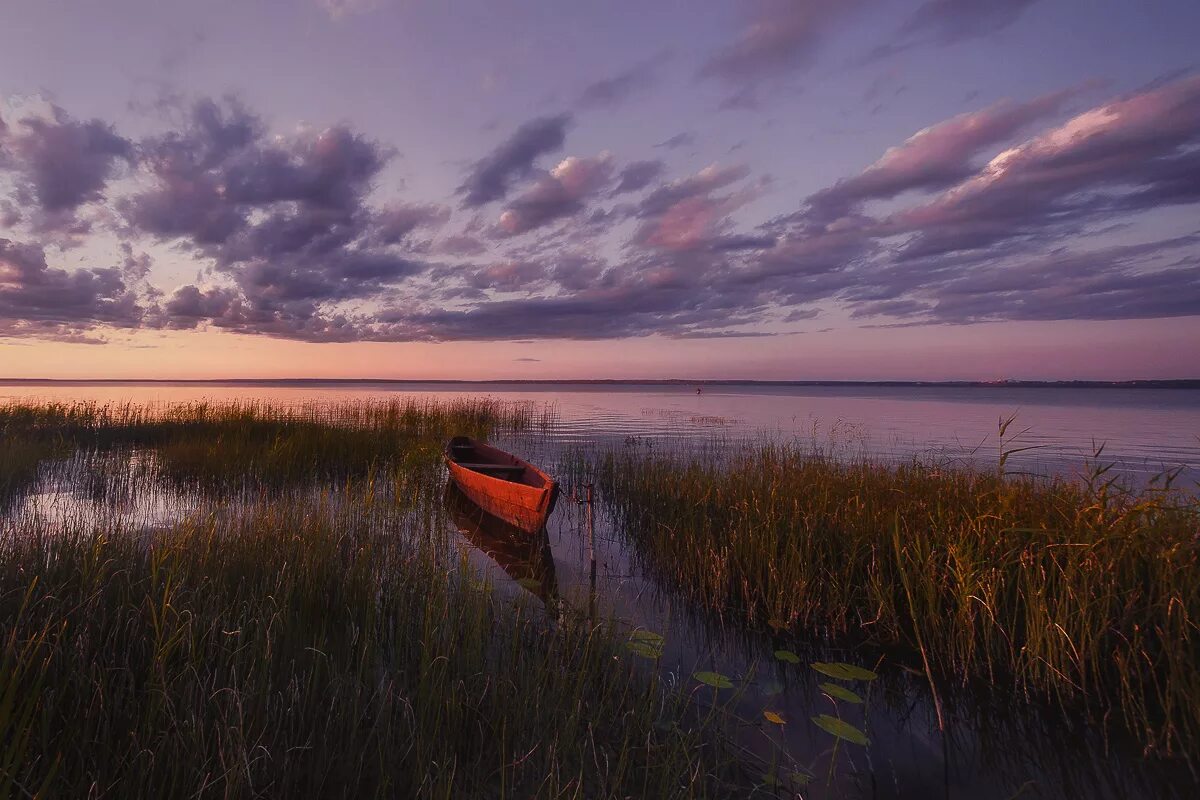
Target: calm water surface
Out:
[995,746]
[1143,431]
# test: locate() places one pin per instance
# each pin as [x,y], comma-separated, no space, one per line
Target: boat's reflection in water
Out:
[525,557]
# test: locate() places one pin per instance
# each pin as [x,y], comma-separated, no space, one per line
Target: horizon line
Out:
[1078,382]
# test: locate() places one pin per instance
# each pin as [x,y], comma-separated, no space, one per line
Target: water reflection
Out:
[525,558]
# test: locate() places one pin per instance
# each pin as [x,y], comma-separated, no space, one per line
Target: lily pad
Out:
[840,693]
[645,650]
[788,656]
[841,729]
[650,637]
[714,679]
[774,716]
[844,672]
[772,688]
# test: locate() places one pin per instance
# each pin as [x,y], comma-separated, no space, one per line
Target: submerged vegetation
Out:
[1081,592]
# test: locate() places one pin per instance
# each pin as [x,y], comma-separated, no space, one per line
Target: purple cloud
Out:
[637,175]
[1094,164]
[614,90]
[38,300]
[492,176]
[60,163]
[559,193]
[938,156]
[783,36]
[948,22]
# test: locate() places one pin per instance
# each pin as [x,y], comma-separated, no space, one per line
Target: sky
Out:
[484,189]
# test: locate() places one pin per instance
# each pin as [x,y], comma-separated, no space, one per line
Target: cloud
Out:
[492,176]
[1109,159]
[60,163]
[688,214]
[938,156]
[396,222]
[614,90]
[560,193]
[997,214]
[337,9]
[947,22]
[1154,279]
[284,218]
[460,245]
[42,301]
[783,36]
[637,175]
[684,139]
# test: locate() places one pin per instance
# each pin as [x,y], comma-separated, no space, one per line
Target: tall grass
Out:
[1077,591]
[233,443]
[320,648]
[19,460]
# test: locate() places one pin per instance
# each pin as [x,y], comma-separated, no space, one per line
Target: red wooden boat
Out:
[501,484]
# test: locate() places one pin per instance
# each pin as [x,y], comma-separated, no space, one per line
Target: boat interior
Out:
[486,460]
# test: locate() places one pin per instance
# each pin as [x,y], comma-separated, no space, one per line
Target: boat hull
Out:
[524,499]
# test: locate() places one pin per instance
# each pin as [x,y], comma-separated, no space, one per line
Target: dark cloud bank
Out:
[980,217]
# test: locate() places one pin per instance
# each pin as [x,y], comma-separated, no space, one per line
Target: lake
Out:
[1143,431]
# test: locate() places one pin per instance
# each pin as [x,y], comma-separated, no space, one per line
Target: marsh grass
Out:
[251,442]
[1077,591]
[20,457]
[304,649]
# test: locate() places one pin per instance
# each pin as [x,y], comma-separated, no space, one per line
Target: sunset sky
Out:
[787,189]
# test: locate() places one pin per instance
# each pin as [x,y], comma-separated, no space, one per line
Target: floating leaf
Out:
[644,650]
[650,637]
[773,716]
[800,778]
[772,688]
[844,672]
[714,679]
[788,656]
[840,693]
[841,729]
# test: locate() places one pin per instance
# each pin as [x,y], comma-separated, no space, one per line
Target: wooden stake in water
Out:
[591,534]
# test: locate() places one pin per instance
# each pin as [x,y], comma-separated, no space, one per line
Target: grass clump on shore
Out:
[304,649]
[258,443]
[1081,592]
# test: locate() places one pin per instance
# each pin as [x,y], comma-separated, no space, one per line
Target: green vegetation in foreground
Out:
[1083,592]
[316,649]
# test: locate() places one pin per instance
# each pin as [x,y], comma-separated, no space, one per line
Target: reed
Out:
[1079,591]
[327,647]
[19,460]
[255,442]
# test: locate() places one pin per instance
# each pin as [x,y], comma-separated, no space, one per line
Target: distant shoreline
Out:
[1187,383]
